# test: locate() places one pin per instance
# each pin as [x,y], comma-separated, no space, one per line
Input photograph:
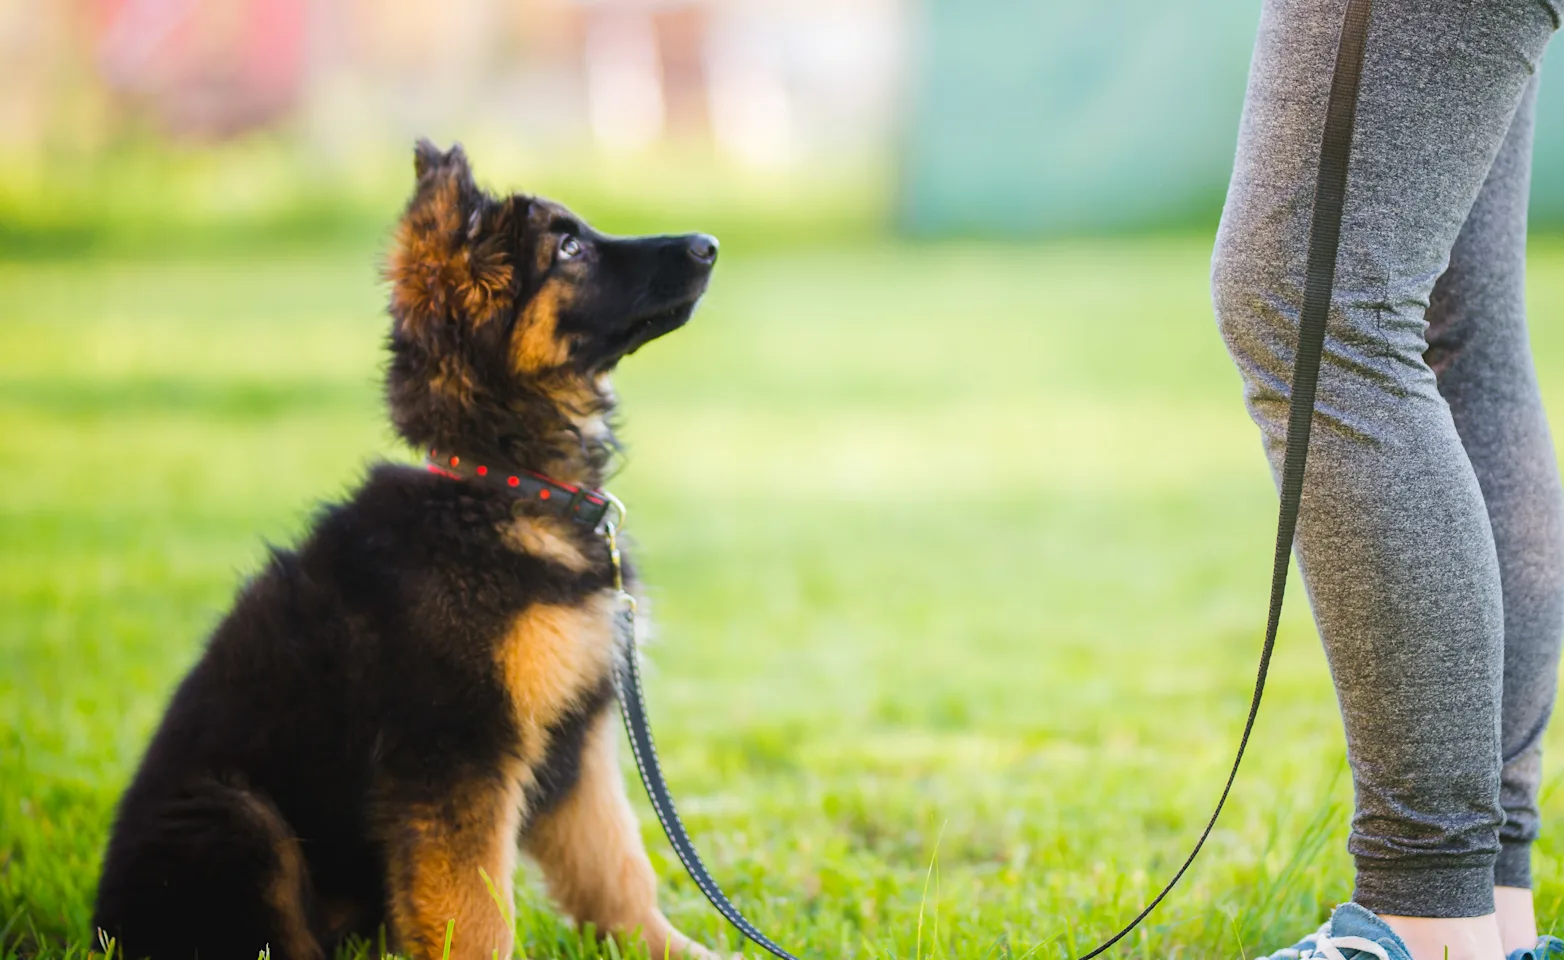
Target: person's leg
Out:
[1478,348]
[1394,539]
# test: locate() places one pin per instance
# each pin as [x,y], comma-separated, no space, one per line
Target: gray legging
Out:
[1432,530]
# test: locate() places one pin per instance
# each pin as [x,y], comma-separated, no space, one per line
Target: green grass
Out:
[958,556]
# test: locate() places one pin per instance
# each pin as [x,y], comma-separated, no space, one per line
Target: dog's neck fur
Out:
[555,423]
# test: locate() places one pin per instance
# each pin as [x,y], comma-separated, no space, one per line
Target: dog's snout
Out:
[702,248]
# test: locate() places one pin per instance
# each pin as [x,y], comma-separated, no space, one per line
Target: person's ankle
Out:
[1517,918]
[1438,938]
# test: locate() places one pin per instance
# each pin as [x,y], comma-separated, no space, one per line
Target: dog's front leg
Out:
[435,853]
[589,848]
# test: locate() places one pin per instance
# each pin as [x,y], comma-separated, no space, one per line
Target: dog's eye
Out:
[569,248]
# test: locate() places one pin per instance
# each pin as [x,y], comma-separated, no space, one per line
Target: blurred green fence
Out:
[1037,117]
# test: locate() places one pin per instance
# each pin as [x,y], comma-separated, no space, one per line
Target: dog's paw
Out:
[676,946]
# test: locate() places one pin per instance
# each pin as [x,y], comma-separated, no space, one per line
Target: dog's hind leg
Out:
[212,871]
[589,848]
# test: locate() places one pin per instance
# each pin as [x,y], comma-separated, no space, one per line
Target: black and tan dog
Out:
[423,685]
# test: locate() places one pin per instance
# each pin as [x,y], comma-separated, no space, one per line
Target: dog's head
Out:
[508,313]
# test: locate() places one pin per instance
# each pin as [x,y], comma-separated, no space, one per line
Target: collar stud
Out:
[533,492]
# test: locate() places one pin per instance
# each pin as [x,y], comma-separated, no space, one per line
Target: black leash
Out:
[1324,241]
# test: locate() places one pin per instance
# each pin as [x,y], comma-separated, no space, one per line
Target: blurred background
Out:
[955,529]
[124,119]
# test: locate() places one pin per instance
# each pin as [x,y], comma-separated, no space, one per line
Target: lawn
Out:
[958,556]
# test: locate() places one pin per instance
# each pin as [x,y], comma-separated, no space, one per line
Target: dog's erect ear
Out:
[426,156]
[448,261]
[430,163]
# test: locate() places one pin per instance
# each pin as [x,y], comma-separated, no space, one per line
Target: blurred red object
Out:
[199,69]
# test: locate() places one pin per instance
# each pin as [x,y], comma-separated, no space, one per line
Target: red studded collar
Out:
[588,507]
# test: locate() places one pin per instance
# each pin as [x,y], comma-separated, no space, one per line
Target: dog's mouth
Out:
[644,329]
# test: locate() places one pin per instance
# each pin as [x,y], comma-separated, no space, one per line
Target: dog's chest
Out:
[555,657]
[551,540]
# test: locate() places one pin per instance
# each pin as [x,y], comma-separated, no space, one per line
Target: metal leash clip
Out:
[611,525]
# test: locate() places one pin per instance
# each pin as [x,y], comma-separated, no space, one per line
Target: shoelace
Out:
[1320,945]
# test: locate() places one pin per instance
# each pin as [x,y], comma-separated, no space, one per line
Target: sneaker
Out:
[1547,948]
[1353,933]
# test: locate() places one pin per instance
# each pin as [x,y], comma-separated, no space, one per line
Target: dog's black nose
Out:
[702,248]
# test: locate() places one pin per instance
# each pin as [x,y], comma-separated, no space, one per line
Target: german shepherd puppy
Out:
[391,708]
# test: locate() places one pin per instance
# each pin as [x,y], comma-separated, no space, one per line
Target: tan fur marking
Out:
[453,379]
[547,538]
[539,215]
[285,891]
[542,253]
[437,853]
[590,851]
[437,273]
[445,207]
[283,897]
[486,291]
[552,656]
[535,343]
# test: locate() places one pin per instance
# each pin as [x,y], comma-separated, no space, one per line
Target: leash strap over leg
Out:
[632,706]
[1324,242]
